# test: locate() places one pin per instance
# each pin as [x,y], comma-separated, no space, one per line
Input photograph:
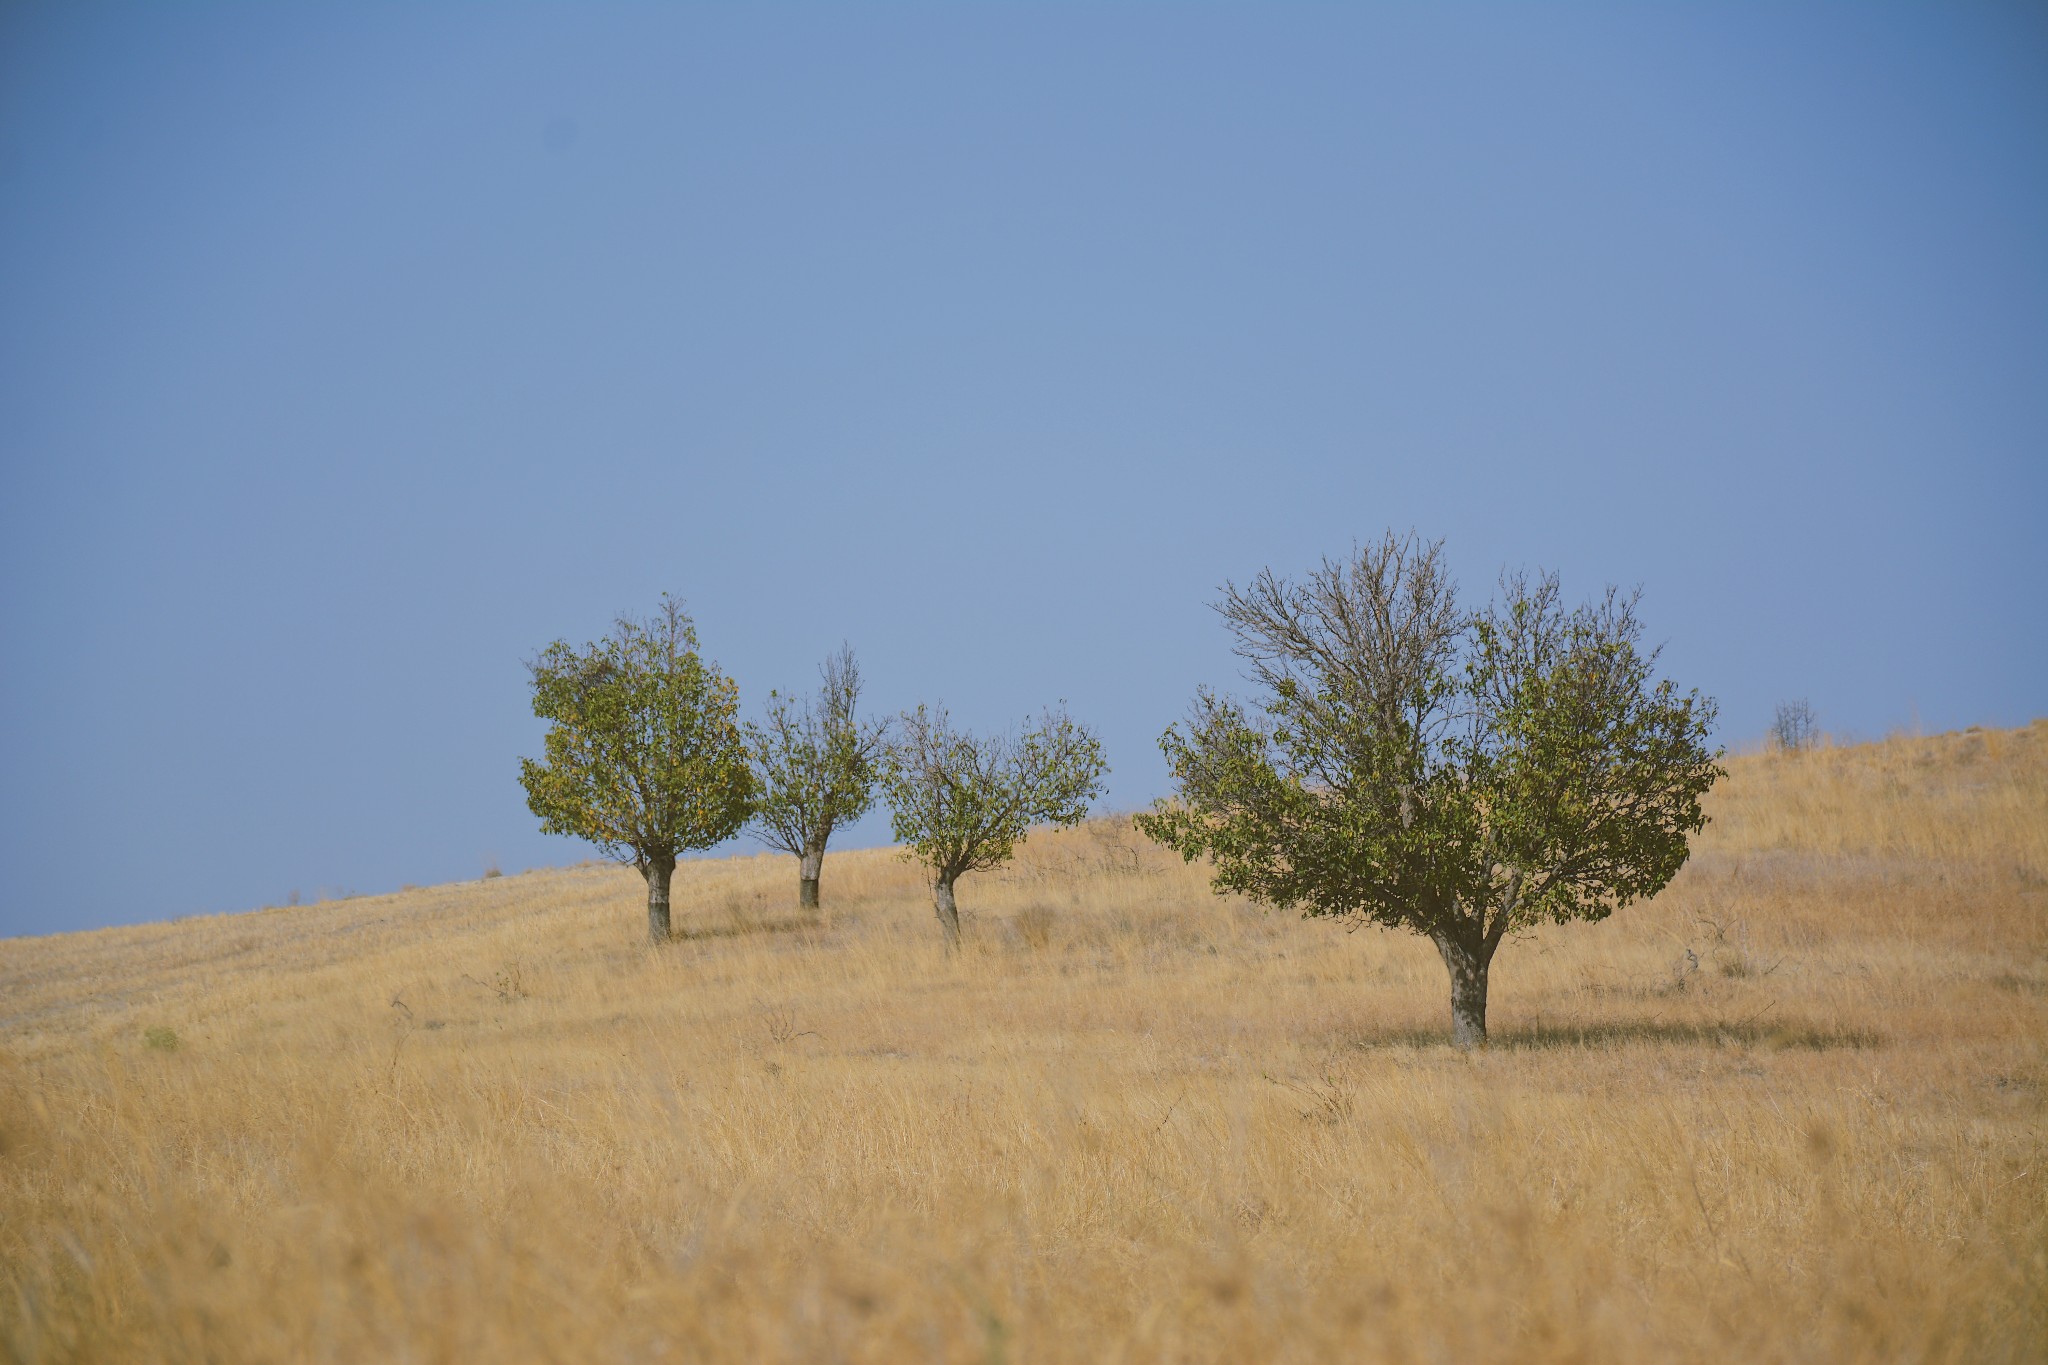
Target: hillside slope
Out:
[1790,1110]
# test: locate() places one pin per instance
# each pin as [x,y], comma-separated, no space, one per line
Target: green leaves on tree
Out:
[1462,775]
[815,766]
[644,755]
[961,802]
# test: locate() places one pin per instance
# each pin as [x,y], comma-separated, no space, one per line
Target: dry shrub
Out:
[1034,924]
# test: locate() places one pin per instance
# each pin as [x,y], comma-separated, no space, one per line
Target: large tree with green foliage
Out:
[1463,775]
[644,752]
[815,766]
[962,802]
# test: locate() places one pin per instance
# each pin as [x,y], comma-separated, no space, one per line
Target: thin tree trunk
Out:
[807,885]
[1467,964]
[657,871]
[949,911]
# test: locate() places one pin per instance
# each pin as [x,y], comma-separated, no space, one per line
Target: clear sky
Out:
[349,354]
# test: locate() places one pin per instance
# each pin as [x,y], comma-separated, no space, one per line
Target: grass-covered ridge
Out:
[1789,1110]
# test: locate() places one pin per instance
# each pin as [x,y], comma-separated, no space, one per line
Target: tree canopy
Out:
[644,755]
[961,802]
[1460,774]
[815,764]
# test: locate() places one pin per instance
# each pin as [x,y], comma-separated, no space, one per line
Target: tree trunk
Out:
[1467,964]
[657,871]
[807,885]
[949,911]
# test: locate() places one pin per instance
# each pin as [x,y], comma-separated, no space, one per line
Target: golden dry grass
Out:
[1789,1111]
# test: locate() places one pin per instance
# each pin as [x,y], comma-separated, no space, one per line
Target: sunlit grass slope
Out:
[1792,1110]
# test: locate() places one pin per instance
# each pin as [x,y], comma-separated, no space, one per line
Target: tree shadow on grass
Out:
[743,928]
[1783,1037]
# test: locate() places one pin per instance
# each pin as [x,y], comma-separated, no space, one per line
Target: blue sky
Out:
[349,354]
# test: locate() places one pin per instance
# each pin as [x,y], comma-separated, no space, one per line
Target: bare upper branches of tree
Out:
[1793,726]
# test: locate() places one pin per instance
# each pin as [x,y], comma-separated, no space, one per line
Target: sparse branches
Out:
[1461,775]
[1325,801]
[1371,637]
[1794,728]
[815,766]
[643,755]
[962,802]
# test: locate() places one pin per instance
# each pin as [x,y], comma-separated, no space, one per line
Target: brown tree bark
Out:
[1466,957]
[807,883]
[948,911]
[658,871]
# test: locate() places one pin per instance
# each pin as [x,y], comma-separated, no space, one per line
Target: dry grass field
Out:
[1792,1110]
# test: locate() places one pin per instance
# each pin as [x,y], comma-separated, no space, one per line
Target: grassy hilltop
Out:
[1792,1110]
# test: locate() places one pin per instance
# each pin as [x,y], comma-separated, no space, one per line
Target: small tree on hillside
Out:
[962,802]
[815,765]
[644,754]
[1461,776]
[1793,727]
